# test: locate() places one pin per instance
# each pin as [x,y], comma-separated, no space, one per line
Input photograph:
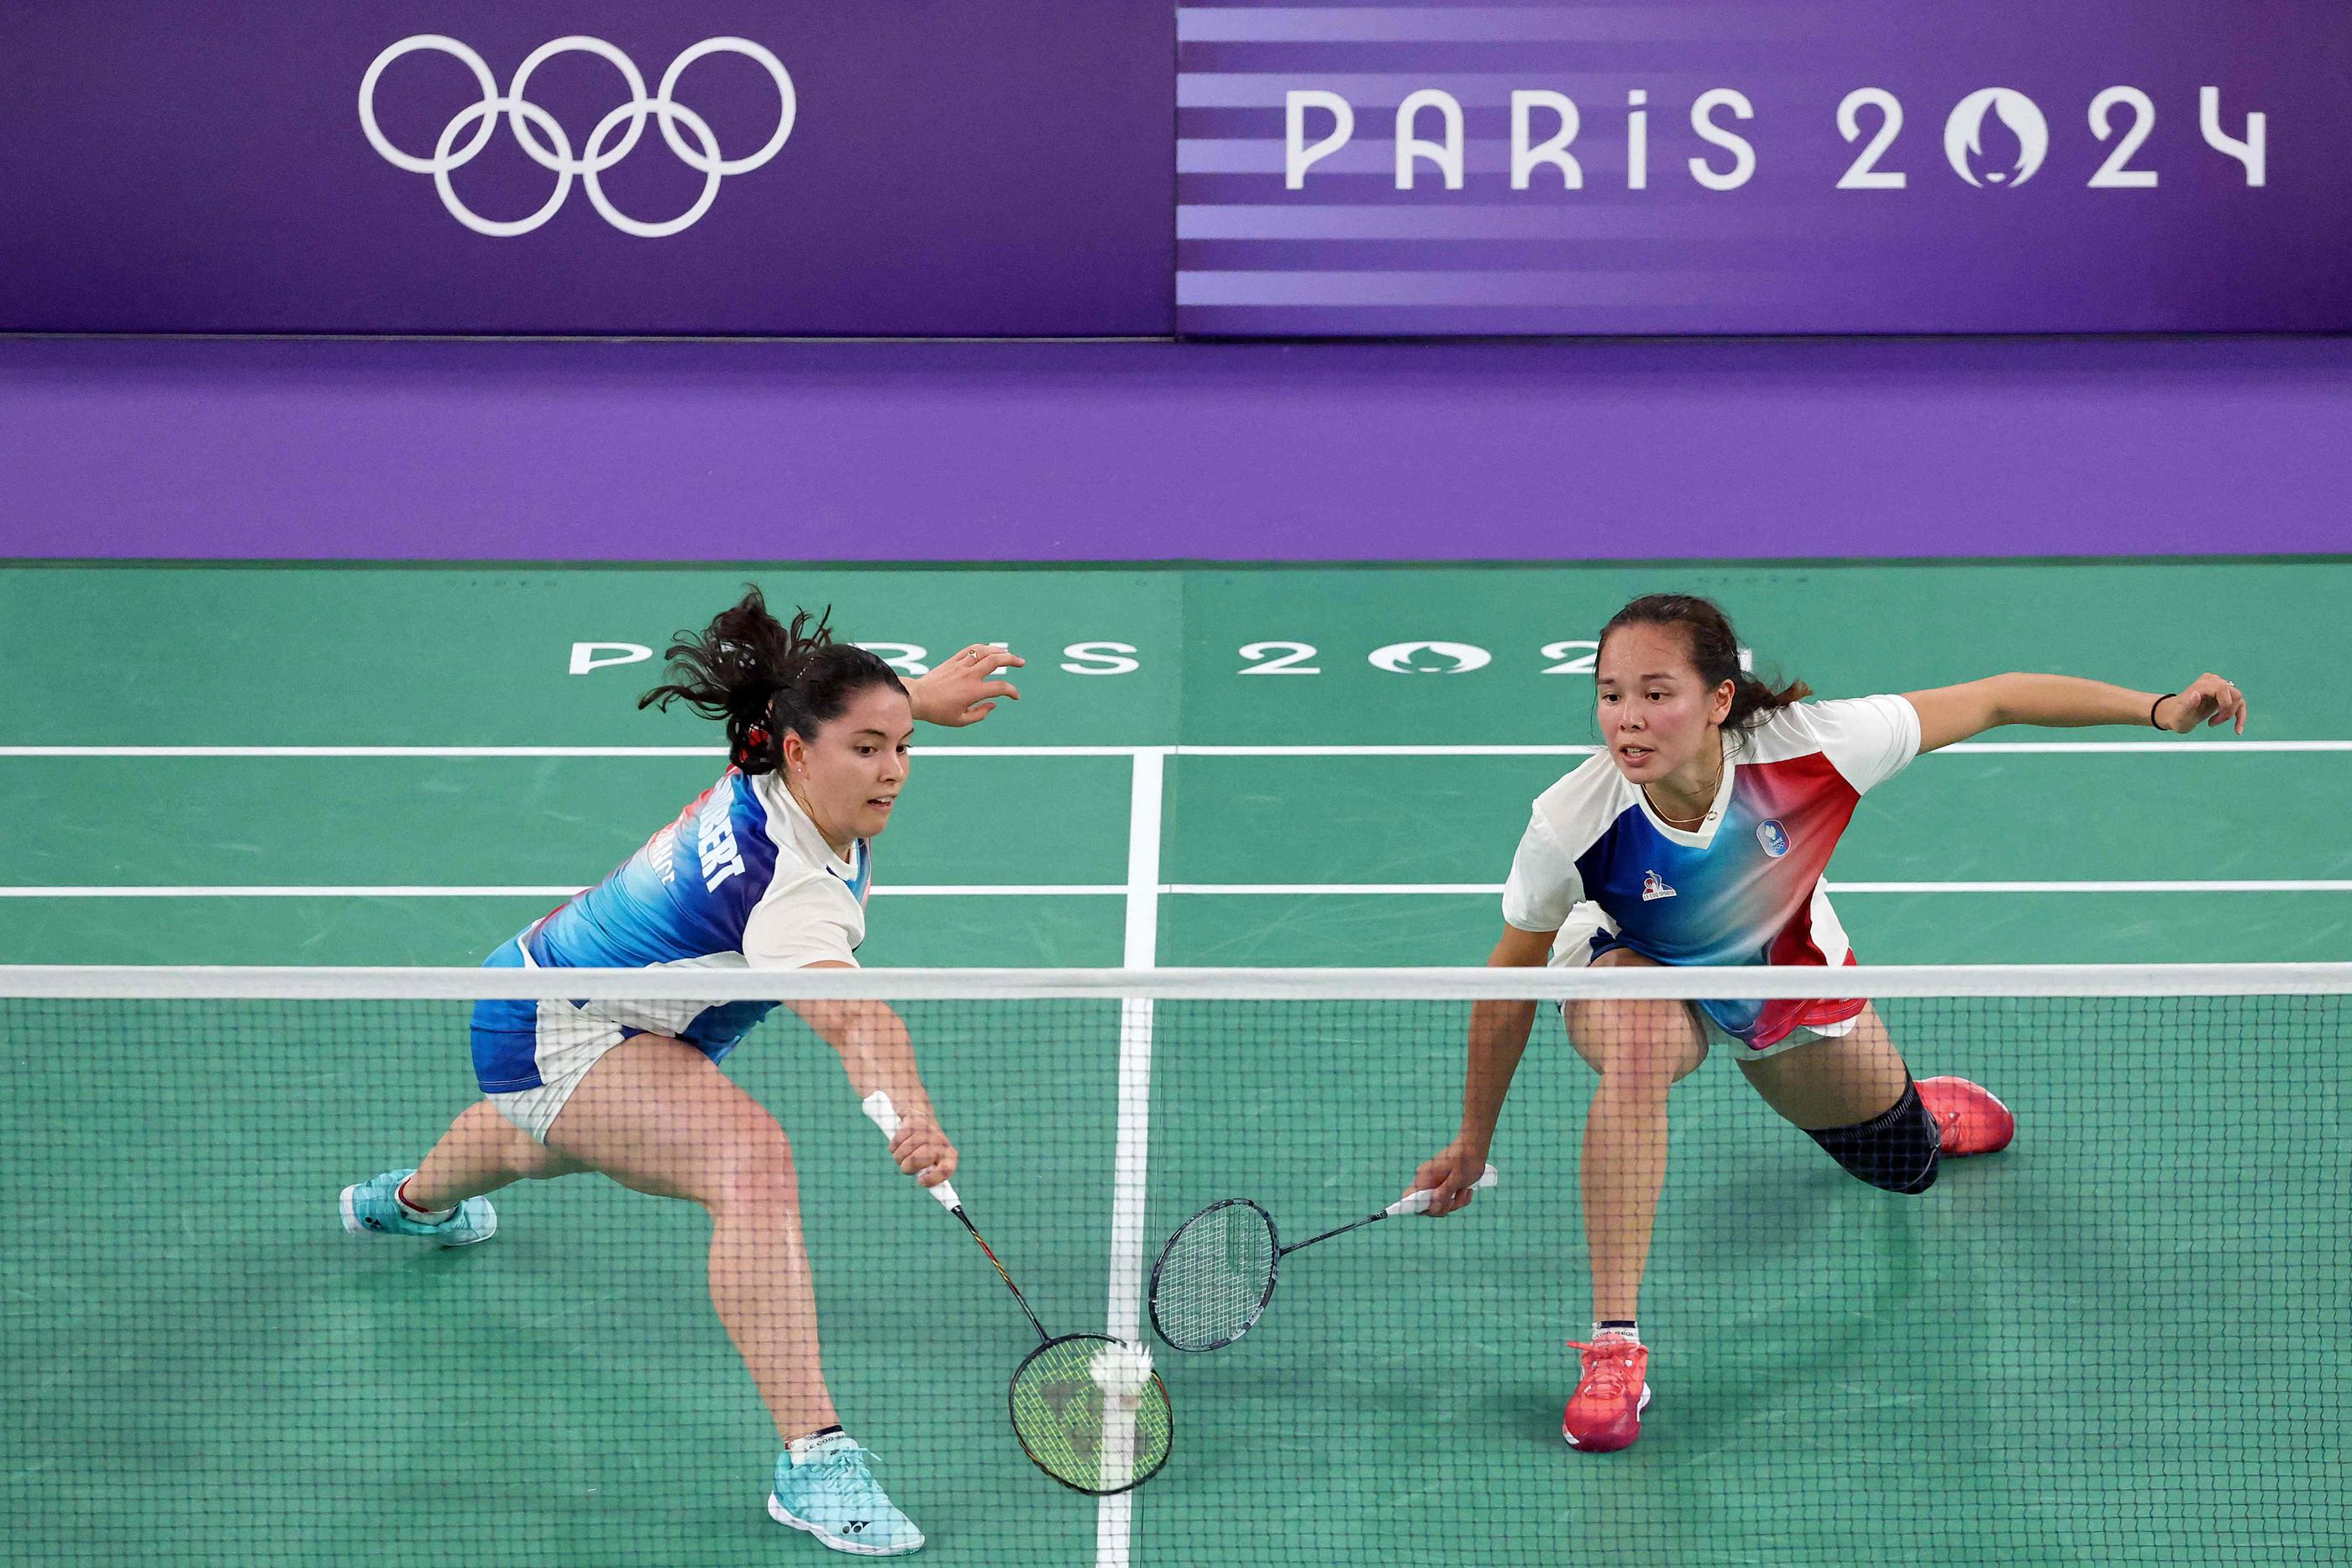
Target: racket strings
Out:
[1081,1436]
[1213,1281]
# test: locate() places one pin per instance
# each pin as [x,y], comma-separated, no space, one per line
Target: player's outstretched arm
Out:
[1950,714]
[1499,1038]
[963,689]
[875,1051]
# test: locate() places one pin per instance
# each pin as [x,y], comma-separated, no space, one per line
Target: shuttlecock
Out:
[1122,1369]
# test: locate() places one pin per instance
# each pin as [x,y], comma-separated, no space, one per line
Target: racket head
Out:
[1089,1440]
[1215,1276]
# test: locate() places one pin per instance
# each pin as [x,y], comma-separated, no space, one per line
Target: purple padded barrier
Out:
[1153,450]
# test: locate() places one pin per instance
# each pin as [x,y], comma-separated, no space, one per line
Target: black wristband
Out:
[2155,705]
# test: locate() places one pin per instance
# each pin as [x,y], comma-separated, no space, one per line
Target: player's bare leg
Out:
[1853,1095]
[481,1153]
[657,1116]
[445,1200]
[1641,1050]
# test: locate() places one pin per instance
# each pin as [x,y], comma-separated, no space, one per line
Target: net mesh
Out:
[2119,1341]
[1214,1276]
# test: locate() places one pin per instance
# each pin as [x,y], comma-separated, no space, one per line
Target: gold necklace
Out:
[1695,822]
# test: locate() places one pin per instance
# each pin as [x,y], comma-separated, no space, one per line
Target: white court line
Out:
[646,751]
[289,891]
[1322,889]
[1995,747]
[2007,747]
[2153,747]
[551,889]
[620,751]
[1318,889]
[1141,894]
[2239,884]
[1115,1515]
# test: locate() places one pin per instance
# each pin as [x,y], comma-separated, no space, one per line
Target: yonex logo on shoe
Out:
[854,1525]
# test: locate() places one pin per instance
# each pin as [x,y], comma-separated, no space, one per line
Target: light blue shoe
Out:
[369,1208]
[830,1493]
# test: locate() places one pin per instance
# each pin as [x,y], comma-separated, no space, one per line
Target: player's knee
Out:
[1642,1047]
[755,1169]
[1902,1176]
[1897,1150]
[533,1161]
[523,1157]
[1642,1073]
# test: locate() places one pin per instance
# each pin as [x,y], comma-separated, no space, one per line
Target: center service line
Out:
[1115,1515]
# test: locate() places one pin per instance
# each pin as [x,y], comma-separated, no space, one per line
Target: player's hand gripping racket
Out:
[1089,1409]
[1217,1273]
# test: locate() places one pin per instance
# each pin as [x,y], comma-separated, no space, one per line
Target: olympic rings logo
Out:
[531,123]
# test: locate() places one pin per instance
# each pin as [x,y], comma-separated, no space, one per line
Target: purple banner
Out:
[1127,452]
[586,166]
[1759,167]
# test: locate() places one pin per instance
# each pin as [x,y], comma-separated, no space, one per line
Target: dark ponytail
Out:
[1714,651]
[763,678]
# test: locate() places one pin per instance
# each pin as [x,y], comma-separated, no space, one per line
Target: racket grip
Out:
[884,1115]
[1419,1202]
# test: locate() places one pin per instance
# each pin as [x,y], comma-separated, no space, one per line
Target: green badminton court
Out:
[263,765]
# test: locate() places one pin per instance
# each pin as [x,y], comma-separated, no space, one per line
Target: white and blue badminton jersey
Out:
[741,879]
[1743,889]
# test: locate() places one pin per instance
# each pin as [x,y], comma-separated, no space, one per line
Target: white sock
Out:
[1625,1329]
[805,1449]
[422,1216]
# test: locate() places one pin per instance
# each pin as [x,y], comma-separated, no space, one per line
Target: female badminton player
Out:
[769,869]
[1700,836]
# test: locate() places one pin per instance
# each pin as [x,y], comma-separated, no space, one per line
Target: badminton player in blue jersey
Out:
[1699,835]
[766,869]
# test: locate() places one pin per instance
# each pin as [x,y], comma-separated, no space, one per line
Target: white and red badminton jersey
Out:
[1742,889]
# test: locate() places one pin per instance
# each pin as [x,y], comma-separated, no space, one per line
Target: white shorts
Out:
[1572,949]
[529,1056]
[571,1041]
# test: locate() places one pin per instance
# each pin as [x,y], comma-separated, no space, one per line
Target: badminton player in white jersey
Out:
[1700,836]
[769,869]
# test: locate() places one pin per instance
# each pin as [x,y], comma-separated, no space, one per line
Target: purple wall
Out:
[951,168]
[1015,168]
[1140,452]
